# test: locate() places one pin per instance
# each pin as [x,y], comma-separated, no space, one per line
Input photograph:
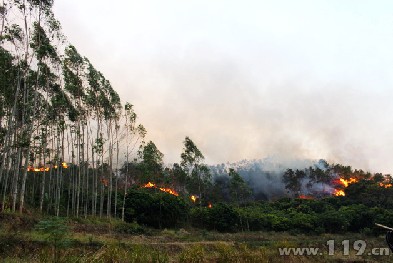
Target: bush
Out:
[56,233]
[129,228]
[155,209]
[220,217]
[193,254]
[223,218]
[280,223]
[306,223]
[200,217]
[358,216]
[334,221]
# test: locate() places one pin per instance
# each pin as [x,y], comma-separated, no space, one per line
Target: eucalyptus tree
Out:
[12,37]
[114,116]
[293,180]
[239,189]
[27,39]
[8,79]
[46,55]
[198,173]
[93,102]
[73,69]
[134,135]
[51,100]
[151,163]
[179,178]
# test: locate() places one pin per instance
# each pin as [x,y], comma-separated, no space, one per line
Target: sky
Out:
[249,79]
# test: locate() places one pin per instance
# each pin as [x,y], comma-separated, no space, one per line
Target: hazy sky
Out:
[249,79]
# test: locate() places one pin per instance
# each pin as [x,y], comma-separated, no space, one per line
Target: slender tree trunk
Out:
[109,201]
[87,170]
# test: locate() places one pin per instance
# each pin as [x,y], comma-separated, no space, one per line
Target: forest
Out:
[71,148]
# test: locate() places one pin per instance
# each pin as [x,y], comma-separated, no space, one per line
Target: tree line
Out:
[68,144]
[70,147]
[325,179]
[61,121]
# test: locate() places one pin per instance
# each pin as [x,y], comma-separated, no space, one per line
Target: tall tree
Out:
[293,180]
[198,173]
[151,163]
[239,189]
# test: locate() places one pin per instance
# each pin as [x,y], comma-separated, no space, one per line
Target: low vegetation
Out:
[92,240]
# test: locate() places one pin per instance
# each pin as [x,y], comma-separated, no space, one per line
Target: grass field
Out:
[95,240]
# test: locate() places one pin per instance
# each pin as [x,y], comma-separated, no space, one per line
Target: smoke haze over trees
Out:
[69,146]
[300,79]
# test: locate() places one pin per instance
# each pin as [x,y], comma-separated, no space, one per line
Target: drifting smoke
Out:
[251,80]
[264,177]
[232,116]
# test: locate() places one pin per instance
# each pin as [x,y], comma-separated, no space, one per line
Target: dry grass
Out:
[99,242]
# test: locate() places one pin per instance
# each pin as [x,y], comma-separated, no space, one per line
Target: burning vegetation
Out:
[193,198]
[46,169]
[342,184]
[167,190]
[325,179]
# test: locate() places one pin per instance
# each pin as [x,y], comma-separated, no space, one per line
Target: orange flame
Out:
[306,197]
[45,169]
[105,181]
[338,192]
[167,190]
[209,205]
[149,185]
[42,169]
[348,182]
[344,184]
[193,198]
[385,185]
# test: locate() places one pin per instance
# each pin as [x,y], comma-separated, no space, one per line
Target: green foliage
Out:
[334,221]
[54,229]
[191,155]
[41,44]
[154,208]
[369,193]
[358,216]
[135,253]
[129,228]
[293,180]
[221,217]
[239,189]
[199,177]
[193,254]
[151,165]
[56,232]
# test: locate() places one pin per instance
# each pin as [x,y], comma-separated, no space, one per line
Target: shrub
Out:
[334,221]
[56,232]
[223,218]
[280,223]
[193,254]
[128,228]
[304,222]
[155,209]
[220,217]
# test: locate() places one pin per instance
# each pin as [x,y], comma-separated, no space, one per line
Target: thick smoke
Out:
[250,81]
[263,176]
[232,116]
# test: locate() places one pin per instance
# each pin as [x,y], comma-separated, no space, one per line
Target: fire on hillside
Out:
[46,169]
[342,183]
[193,198]
[167,190]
